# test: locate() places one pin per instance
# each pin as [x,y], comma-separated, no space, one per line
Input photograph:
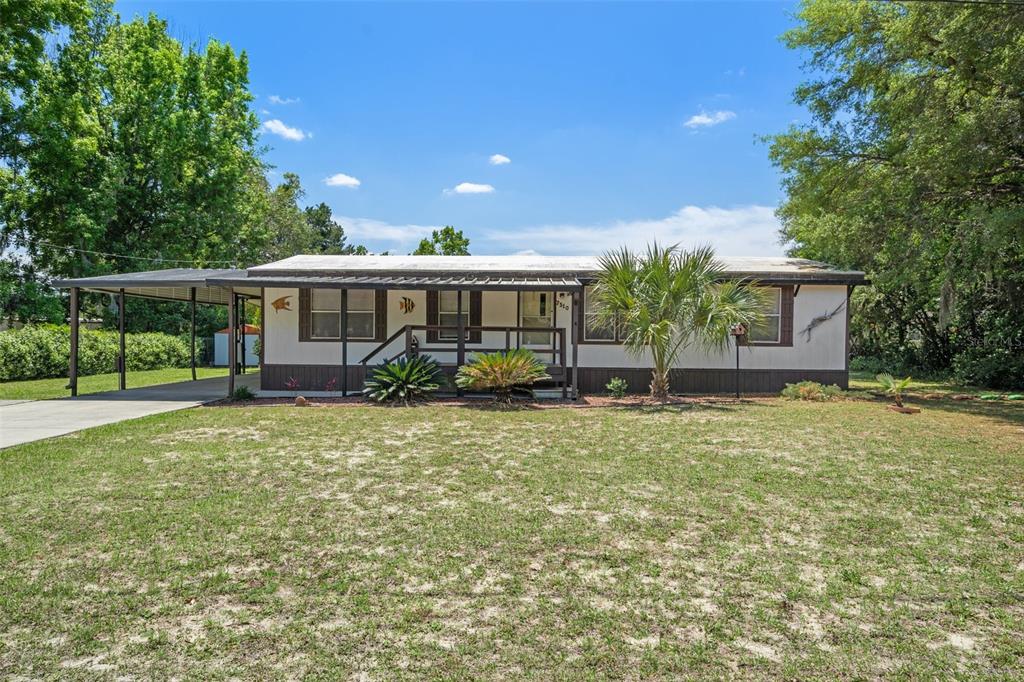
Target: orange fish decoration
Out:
[282,303]
[406,305]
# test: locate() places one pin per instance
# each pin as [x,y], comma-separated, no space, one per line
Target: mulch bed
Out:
[487,403]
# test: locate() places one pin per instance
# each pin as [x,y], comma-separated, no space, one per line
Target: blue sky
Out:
[620,123]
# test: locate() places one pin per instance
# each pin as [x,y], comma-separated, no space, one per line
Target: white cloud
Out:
[706,120]
[400,237]
[278,127]
[470,188]
[275,99]
[739,231]
[499,160]
[342,180]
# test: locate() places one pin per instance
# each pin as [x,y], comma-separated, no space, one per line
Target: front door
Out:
[537,309]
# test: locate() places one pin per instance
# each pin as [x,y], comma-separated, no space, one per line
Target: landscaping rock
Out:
[300,401]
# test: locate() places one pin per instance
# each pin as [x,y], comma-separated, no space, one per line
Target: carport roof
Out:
[174,284]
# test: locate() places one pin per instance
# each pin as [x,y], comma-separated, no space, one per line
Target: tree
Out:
[25,297]
[668,300]
[444,242]
[912,168]
[329,234]
[135,147]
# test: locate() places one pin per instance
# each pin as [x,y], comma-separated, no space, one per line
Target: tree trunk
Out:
[659,385]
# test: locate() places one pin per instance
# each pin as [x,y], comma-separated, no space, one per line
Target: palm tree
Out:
[668,300]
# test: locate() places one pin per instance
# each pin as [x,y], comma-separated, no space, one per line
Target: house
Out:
[328,320]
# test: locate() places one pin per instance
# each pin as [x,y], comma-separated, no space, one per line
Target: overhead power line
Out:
[137,258]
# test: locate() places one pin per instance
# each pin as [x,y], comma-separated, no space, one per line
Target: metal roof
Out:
[562,273]
[427,282]
[763,268]
[174,284]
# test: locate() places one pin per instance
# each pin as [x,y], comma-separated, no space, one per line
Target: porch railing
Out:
[513,339]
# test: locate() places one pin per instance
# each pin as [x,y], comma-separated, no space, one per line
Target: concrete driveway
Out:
[27,421]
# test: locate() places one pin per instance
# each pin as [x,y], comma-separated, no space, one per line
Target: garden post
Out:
[73,361]
[192,346]
[122,367]
[231,341]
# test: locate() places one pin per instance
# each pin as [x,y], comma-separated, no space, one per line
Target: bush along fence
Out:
[42,352]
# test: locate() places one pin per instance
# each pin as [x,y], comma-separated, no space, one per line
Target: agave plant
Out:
[503,372]
[404,380]
[893,386]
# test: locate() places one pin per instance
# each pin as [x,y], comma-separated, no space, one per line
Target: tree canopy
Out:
[122,149]
[444,242]
[912,168]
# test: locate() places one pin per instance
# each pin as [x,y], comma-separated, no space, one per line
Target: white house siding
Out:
[824,352]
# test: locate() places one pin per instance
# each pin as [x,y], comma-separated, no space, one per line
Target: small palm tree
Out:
[668,300]
[503,372]
[893,387]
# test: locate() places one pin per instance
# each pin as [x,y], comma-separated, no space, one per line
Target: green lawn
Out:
[41,389]
[867,381]
[768,539]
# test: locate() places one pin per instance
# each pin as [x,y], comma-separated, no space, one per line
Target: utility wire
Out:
[141,258]
[996,3]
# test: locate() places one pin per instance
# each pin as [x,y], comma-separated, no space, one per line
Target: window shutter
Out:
[786,319]
[380,315]
[305,319]
[432,315]
[476,310]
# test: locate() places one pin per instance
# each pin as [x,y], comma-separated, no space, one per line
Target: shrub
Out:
[503,372]
[404,380]
[1001,368]
[43,351]
[811,390]
[243,393]
[894,387]
[617,387]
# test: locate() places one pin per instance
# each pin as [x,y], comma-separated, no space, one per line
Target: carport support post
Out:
[192,346]
[231,342]
[460,356]
[73,362]
[575,326]
[241,326]
[344,343]
[122,363]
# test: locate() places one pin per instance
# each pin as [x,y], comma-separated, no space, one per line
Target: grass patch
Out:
[43,389]
[865,381]
[766,539]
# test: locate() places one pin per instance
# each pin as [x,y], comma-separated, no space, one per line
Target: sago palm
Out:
[667,300]
[502,372]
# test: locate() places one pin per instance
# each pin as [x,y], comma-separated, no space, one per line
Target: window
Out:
[442,310]
[537,309]
[361,314]
[320,314]
[448,313]
[325,314]
[769,329]
[592,331]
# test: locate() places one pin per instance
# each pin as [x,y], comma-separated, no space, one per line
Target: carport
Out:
[178,284]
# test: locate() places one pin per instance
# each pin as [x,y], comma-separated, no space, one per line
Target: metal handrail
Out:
[406,329]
